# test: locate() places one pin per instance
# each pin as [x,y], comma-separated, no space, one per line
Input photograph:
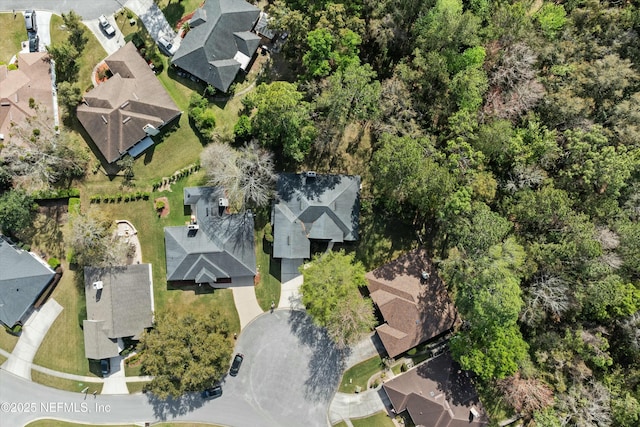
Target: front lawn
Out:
[269,287]
[124,24]
[64,384]
[7,341]
[92,54]
[63,347]
[13,32]
[380,419]
[358,375]
[136,387]
[174,10]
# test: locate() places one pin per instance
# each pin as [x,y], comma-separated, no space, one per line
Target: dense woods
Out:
[508,135]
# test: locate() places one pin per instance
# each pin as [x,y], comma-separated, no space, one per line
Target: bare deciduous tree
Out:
[526,395]
[547,295]
[94,242]
[586,405]
[247,175]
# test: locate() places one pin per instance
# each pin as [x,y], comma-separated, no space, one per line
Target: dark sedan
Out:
[212,393]
[235,366]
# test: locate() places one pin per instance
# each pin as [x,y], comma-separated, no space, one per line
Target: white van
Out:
[30,20]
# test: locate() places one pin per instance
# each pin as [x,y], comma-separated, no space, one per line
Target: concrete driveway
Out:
[110,44]
[44,29]
[290,371]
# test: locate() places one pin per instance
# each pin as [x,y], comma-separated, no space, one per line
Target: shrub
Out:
[159,205]
[74,205]
[403,367]
[12,67]
[53,263]
[15,330]
[375,384]
[268,233]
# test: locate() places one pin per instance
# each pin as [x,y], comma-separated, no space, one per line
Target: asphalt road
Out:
[86,8]
[288,378]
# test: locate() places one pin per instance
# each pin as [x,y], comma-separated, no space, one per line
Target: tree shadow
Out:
[173,407]
[327,361]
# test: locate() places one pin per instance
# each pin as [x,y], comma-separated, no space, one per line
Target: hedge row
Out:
[55,194]
[182,173]
[117,198]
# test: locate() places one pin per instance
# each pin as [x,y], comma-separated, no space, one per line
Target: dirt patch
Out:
[165,210]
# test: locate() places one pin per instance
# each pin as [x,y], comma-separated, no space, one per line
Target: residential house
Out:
[24,279]
[312,207]
[121,114]
[437,393]
[220,42]
[216,247]
[119,305]
[413,301]
[30,81]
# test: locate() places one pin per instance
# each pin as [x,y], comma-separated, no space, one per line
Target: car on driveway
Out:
[235,366]
[166,46]
[106,26]
[30,20]
[34,42]
[212,393]
[105,367]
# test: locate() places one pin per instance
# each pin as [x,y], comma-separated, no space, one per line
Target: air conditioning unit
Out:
[310,174]
[193,227]
[223,202]
[98,285]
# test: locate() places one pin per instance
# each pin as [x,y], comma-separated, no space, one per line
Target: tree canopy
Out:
[185,352]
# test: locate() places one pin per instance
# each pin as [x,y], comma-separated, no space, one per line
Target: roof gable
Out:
[221,247]
[420,308]
[325,207]
[115,112]
[220,31]
[22,281]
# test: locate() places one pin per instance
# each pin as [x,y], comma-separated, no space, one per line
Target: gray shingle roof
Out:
[23,278]
[218,32]
[122,308]
[324,208]
[222,247]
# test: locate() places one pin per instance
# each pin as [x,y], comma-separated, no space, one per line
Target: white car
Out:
[106,26]
[166,45]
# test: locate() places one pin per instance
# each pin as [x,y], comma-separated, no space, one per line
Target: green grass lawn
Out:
[63,383]
[359,374]
[13,32]
[92,54]
[132,371]
[340,424]
[63,347]
[174,10]
[268,289]
[380,419]
[123,23]
[7,341]
[136,387]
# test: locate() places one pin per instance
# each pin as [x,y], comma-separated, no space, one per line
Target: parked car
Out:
[106,26]
[166,46]
[235,366]
[105,366]
[34,42]
[30,20]
[212,393]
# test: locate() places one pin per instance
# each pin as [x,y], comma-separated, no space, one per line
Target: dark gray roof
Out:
[97,345]
[220,30]
[324,208]
[23,277]
[122,308]
[221,248]
[437,393]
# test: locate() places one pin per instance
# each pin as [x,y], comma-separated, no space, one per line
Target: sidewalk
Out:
[346,405]
[33,332]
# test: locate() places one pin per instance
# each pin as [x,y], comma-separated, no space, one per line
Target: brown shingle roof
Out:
[414,310]
[115,112]
[436,393]
[32,79]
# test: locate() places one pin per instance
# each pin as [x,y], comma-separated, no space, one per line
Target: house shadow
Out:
[327,361]
[111,170]
[310,188]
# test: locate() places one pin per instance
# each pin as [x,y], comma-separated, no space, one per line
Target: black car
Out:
[34,42]
[105,366]
[235,366]
[212,393]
